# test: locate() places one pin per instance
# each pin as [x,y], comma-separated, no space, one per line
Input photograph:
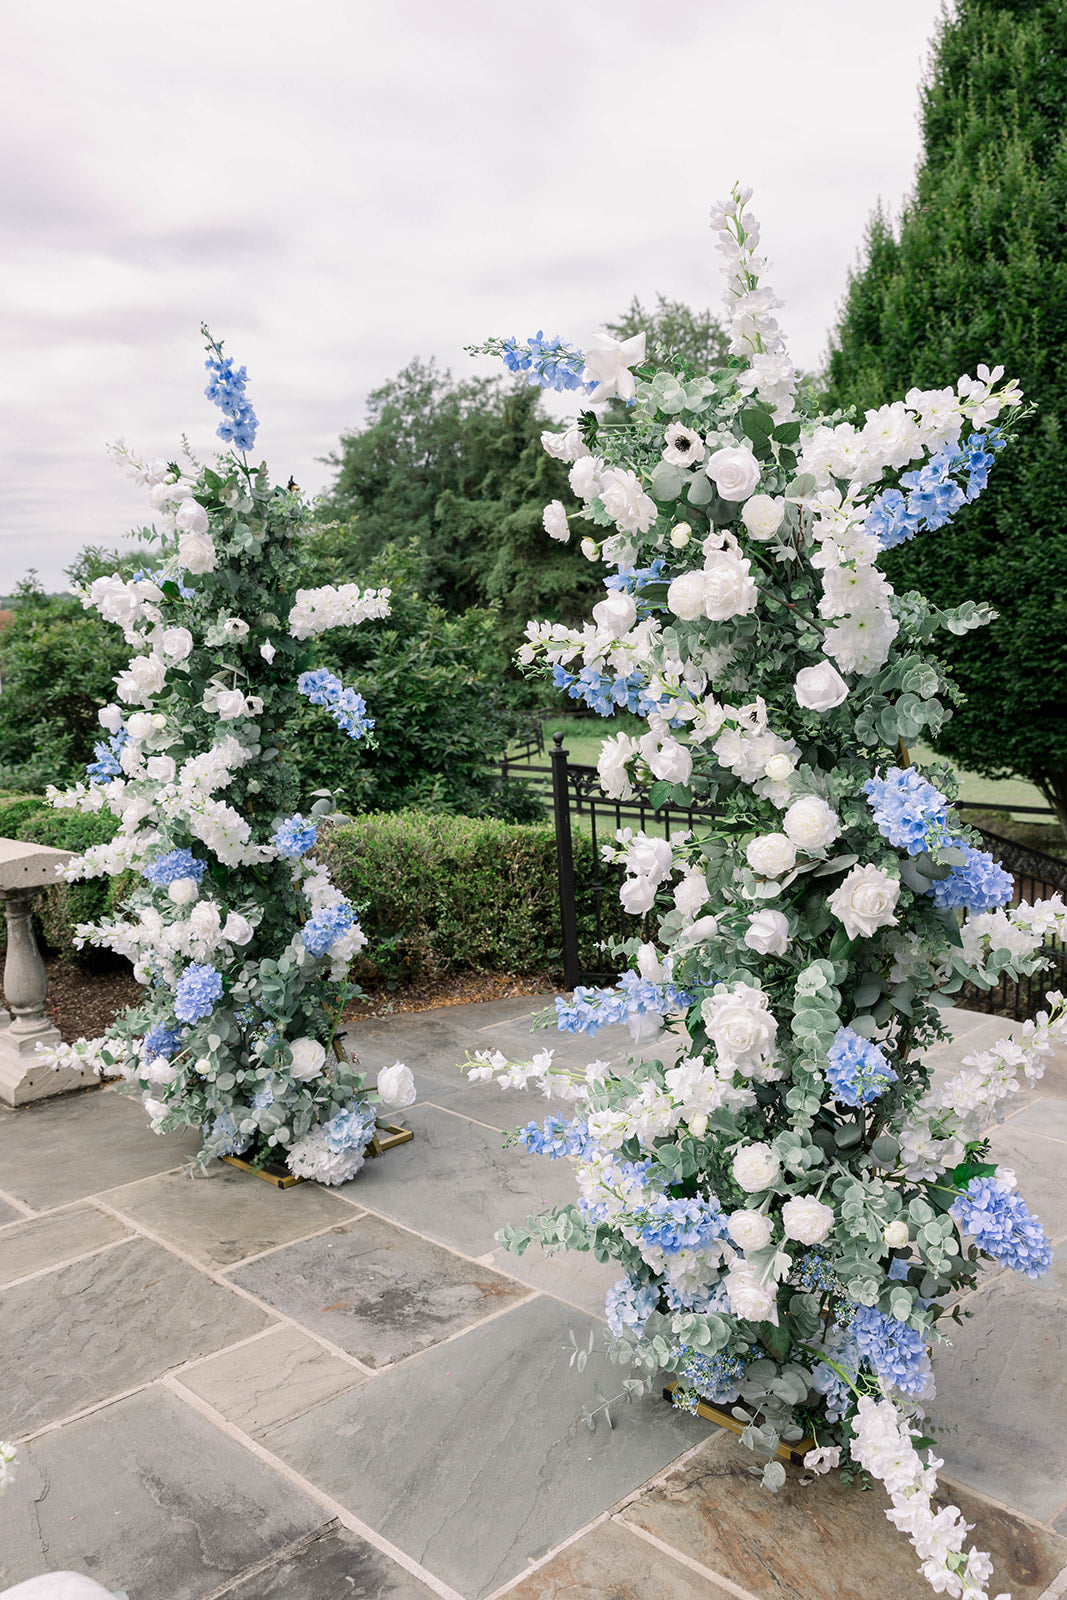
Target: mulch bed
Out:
[84,1003]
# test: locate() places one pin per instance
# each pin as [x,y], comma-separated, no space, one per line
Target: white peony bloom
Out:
[110,717]
[750,1230]
[566,446]
[810,823]
[625,502]
[762,515]
[396,1086]
[196,552]
[161,768]
[685,596]
[771,855]
[144,677]
[749,1299]
[554,521]
[768,933]
[183,891]
[230,704]
[651,856]
[806,1219]
[669,761]
[311,1157]
[742,1029]
[191,517]
[237,930]
[309,1058]
[778,768]
[681,534]
[865,901]
[820,688]
[728,587]
[734,472]
[584,476]
[617,614]
[755,1168]
[896,1234]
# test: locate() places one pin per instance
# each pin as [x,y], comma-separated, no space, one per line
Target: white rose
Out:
[566,446]
[810,823]
[554,521]
[584,476]
[649,964]
[235,628]
[159,1071]
[183,891]
[771,854]
[638,895]
[768,933]
[681,534]
[205,922]
[176,643]
[820,688]
[237,930]
[191,517]
[741,1028]
[230,704]
[762,515]
[778,768]
[148,672]
[896,1234]
[161,768]
[625,501]
[652,857]
[865,901]
[734,472]
[309,1058]
[670,761]
[749,1299]
[728,587]
[691,893]
[396,1086]
[806,1219]
[617,614]
[703,928]
[756,1167]
[750,1230]
[110,717]
[685,596]
[141,725]
[196,552]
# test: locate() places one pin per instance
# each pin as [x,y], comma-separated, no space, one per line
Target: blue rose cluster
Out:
[174,865]
[546,363]
[347,708]
[856,1069]
[999,1223]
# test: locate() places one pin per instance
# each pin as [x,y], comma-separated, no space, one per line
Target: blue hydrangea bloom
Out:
[670,1224]
[295,837]
[351,1129]
[347,708]
[908,811]
[895,1351]
[554,1137]
[629,1305]
[199,989]
[981,884]
[225,1138]
[999,1223]
[837,1394]
[175,864]
[326,926]
[227,391]
[161,1041]
[856,1070]
[899,1267]
[546,363]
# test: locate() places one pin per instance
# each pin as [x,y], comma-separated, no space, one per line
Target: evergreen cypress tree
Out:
[977,271]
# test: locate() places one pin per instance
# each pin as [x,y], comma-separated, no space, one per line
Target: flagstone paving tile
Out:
[147,1496]
[457,1183]
[473,1460]
[226,1214]
[33,1243]
[273,1379]
[1047,1116]
[822,1540]
[1040,1166]
[573,1275]
[95,1328]
[55,1151]
[332,1565]
[1002,1396]
[10,1214]
[611,1563]
[377,1291]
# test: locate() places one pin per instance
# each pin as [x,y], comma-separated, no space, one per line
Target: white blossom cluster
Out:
[318,610]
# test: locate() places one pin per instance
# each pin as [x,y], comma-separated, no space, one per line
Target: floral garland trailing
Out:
[793,1201]
[240,939]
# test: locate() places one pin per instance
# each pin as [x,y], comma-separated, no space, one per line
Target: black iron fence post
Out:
[568,913]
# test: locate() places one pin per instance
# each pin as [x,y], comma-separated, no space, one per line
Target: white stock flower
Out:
[742,1029]
[734,471]
[750,1230]
[806,1219]
[197,553]
[750,1299]
[607,364]
[865,901]
[617,614]
[554,521]
[756,1168]
[343,606]
[309,1058]
[771,855]
[625,502]
[762,515]
[183,891]
[685,596]
[729,590]
[820,688]
[396,1086]
[810,823]
[768,933]
[191,517]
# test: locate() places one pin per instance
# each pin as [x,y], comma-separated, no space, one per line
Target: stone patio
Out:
[222,1389]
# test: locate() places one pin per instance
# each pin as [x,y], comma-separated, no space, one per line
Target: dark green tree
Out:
[976,270]
[676,333]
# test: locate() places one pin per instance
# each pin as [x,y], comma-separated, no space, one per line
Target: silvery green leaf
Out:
[837,864]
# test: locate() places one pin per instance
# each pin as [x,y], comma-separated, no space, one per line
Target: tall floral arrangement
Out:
[795,1201]
[240,939]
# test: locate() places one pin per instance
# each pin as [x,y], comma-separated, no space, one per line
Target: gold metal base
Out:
[394,1135]
[282,1179]
[793,1453]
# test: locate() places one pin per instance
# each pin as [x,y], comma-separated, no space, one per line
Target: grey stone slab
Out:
[493,1466]
[457,1183]
[1040,1166]
[332,1565]
[223,1215]
[62,1150]
[148,1497]
[98,1327]
[38,1242]
[1002,1397]
[573,1276]
[376,1290]
[271,1380]
[9,1213]
[822,1540]
[612,1563]
[1045,1116]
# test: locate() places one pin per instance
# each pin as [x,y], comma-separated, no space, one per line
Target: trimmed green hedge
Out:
[441,894]
[58,910]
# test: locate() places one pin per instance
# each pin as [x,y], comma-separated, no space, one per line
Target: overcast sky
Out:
[339,185]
